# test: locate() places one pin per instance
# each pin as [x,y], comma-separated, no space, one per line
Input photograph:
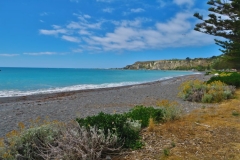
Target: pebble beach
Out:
[67,106]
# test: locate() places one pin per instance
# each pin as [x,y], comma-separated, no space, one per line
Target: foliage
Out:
[89,138]
[25,143]
[126,126]
[151,125]
[235,113]
[228,28]
[230,78]
[77,142]
[171,111]
[199,91]
[116,123]
[144,113]
[221,63]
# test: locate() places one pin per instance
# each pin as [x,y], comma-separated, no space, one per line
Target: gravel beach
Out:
[69,105]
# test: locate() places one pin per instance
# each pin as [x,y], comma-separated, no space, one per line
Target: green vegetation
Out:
[235,113]
[227,28]
[127,126]
[26,143]
[92,137]
[229,78]
[199,91]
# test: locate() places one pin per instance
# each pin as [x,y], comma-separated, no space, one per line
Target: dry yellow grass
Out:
[151,125]
[207,133]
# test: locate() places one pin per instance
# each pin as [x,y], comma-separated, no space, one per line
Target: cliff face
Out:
[199,64]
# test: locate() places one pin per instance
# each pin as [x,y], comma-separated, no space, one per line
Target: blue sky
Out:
[100,33]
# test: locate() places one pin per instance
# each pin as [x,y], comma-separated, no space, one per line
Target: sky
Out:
[100,33]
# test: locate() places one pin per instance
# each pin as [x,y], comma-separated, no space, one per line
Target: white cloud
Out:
[177,32]
[84,25]
[70,39]
[84,32]
[177,24]
[40,53]
[9,55]
[56,26]
[134,34]
[43,14]
[77,50]
[52,32]
[162,3]
[182,2]
[108,10]
[86,16]
[137,10]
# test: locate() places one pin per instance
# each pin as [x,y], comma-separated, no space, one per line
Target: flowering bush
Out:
[199,91]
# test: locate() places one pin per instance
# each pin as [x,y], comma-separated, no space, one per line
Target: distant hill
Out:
[199,64]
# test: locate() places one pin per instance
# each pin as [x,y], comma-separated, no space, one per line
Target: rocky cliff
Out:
[175,64]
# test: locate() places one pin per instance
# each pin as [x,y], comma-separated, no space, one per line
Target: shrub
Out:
[144,113]
[116,124]
[229,78]
[26,143]
[207,98]
[170,110]
[126,126]
[199,91]
[78,142]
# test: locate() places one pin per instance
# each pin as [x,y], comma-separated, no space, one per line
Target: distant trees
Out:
[188,59]
[224,21]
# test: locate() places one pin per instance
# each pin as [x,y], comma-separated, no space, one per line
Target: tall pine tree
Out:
[224,21]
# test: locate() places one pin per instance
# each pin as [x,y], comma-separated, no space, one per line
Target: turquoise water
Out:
[27,81]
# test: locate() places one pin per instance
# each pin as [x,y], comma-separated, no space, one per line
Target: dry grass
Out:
[207,133]
[151,125]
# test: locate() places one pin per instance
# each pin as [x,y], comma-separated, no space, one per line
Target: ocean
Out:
[29,81]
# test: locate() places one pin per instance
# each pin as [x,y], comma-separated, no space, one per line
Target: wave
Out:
[17,93]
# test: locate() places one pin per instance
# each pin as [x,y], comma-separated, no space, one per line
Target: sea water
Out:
[28,81]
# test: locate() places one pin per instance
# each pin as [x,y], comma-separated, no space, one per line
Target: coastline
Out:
[66,106]
[42,96]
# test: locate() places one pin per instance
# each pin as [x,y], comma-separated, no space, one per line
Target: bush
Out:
[78,142]
[199,91]
[170,110]
[116,123]
[126,126]
[26,144]
[229,78]
[90,138]
[144,113]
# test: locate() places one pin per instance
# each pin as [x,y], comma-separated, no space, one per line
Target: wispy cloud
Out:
[43,14]
[70,39]
[132,35]
[9,55]
[86,16]
[183,2]
[108,10]
[52,32]
[84,32]
[40,53]
[177,32]
[137,10]
[162,3]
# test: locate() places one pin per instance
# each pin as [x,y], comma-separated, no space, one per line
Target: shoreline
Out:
[70,92]
[67,106]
